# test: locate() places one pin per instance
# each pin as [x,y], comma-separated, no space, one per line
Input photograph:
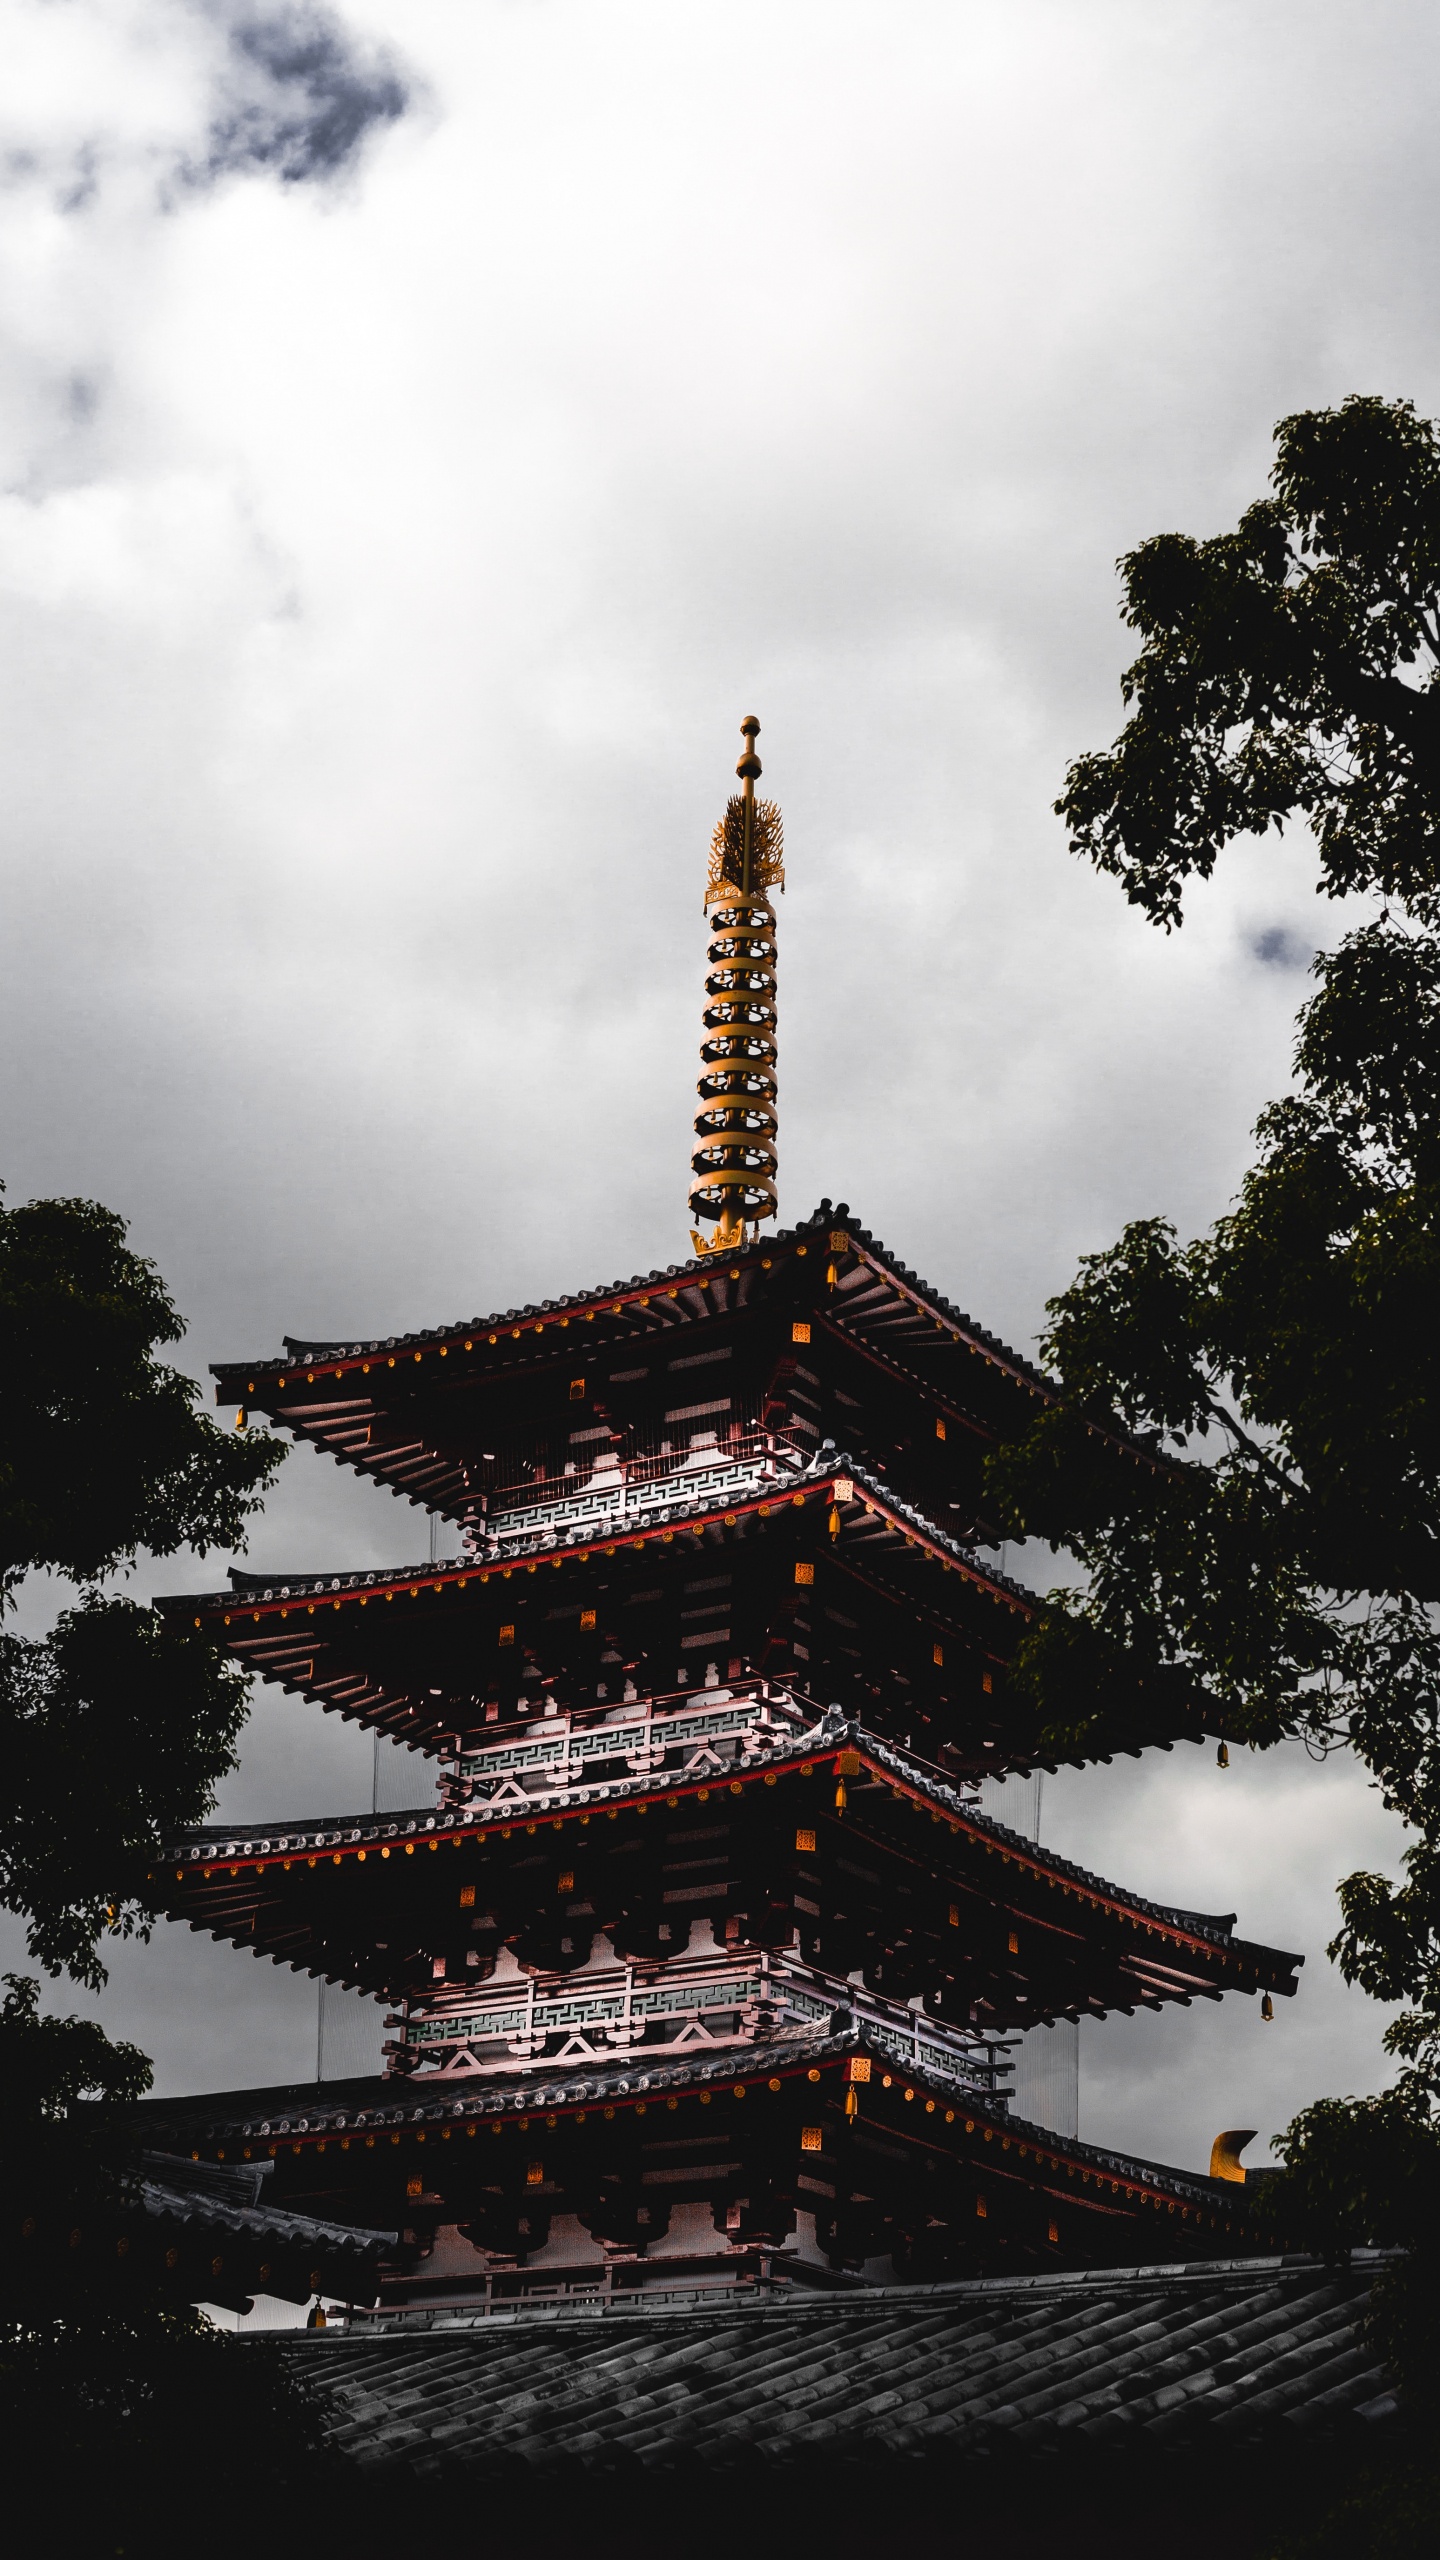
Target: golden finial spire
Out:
[735,1127]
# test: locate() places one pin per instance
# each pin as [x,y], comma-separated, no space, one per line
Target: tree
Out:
[156,2428]
[115,1730]
[67,2147]
[116,1727]
[1279,1559]
[1288,671]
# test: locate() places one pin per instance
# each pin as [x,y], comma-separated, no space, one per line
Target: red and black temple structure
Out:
[704,1967]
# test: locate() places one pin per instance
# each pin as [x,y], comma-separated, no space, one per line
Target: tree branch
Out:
[1252,1448]
[1408,715]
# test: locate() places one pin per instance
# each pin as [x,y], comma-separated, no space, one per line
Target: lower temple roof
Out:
[890,2160]
[206,2231]
[229,2206]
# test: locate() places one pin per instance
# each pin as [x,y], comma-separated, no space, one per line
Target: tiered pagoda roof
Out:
[821,1571]
[906,1881]
[805,1426]
[895,2161]
[385,1406]
[711,1692]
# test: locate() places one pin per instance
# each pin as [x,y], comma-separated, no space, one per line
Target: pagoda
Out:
[704,1965]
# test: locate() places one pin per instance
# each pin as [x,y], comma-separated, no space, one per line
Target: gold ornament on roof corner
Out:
[734,1162]
[1225,2150]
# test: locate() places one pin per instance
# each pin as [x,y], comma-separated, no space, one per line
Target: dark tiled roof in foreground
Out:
[1231,2352]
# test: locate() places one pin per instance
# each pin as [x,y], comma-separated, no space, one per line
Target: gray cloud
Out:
[1278,948]
[277,89]
[297,98]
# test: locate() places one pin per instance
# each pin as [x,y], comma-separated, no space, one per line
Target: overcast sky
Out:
[428,427]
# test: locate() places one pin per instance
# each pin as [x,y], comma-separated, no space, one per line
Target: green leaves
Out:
[1129,1337]
[1369,1047]
[97,2353]
[1364,2172]
[68,2148]
[1287,672]
[113,1732]
[1277,1545]
[1272,1540]
[1282,1373]
[1275,1541]
[102,1450]
[117,1729]
[51,2065]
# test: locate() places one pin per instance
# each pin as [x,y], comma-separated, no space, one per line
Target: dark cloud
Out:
[298,96]
[1278,948]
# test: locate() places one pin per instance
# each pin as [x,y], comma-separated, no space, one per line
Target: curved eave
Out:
[844,1522]
[876,1301]
[910,2105]
[658,1301]
[280,1629]
[226,1881]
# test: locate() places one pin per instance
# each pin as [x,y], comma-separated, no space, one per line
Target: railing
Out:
[650,2011]
[563,1755]
[561,1509]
